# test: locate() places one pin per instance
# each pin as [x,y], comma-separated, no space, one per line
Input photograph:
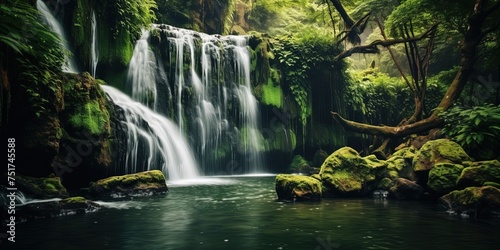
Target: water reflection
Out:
[243,213]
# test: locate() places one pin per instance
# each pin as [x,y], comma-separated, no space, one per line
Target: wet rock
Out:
[477,173]
[41,188]
[406,190]
[346,173]
[434,152]
[319,157]
[443,178]
[473,201]
[140,184]
[50,209]
[291,187]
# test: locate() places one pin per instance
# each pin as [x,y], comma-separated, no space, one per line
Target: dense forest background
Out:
[377,62]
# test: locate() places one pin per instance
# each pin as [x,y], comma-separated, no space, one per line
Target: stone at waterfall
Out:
[443,178]
[68,206]
[41,188]
[478,173]
[346,173]
[291,187]
[473,201]
[434,152]
[140,184]
[406,190]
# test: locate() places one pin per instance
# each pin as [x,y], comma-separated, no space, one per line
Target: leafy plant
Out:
[476,129]
[31,49]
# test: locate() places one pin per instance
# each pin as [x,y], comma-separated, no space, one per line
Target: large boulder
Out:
[140,184]
[473,201]
[434,152]
[477,173]
[41,188]
[346,173]
[300,187]
[443,178]
[406,190]
[68,206]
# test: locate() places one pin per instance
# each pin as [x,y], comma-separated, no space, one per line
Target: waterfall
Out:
[154,142]
[141,72]
[56,27]
[94,50]
[206,79]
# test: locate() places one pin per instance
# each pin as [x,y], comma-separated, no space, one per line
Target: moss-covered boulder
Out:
[406,190]
[68,206]
[434,152]
[473,201]
[346,173]
[438,151]
[443,178]
[477,173]
[300,187]
[140,184]
[41,188]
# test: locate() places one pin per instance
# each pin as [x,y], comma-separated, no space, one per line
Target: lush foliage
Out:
[476,129]
[30,48]
[90,117]
[120,25]
[299,56]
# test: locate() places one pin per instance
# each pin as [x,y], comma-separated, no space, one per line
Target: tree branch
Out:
[372,47]
[388,131]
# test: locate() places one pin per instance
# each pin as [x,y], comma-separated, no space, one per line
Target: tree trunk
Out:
[472,39]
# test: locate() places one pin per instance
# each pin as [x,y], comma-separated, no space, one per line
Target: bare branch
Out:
[372,47]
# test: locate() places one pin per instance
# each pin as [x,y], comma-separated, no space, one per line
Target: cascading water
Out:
[212,94]
[94,50]
[153,141]
[56,27]
[141,72]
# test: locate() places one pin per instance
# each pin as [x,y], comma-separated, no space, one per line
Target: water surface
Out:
[243,213]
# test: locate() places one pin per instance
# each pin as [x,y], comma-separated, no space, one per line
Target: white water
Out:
[56,27]
[154,142]
[217,70]
[94,60]
[141,72]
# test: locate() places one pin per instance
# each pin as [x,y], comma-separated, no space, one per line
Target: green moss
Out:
[477,173]
[385,184]
[42,188]
[75,200]
[443,177]
[438,151]
[298,186]
[272,95]
[91,118]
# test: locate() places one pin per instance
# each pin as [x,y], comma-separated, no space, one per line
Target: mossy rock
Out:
[405,189]
[346,173]
[443,178]
[139,184]
[438,151]
[299,187]
[478,173]
[385,184]
[86,106]
[473,201]
[41,188]
[406,153]
[68,206]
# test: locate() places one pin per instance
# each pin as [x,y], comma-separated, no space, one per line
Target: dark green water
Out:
[243,213]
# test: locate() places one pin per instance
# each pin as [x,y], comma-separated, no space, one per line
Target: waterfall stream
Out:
[94,59]
[154,141]
[206,81]
[200,81]
[56,27]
